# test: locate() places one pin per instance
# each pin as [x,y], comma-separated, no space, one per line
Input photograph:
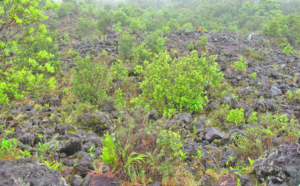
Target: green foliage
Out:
[186,26]
[179,86]
[240,66]
[104,20]
[253,76]
[118,70]
[137,25]
[121,17]
[173,24]
[108,155]
[288,49]
[191,46]
[202,42]
[236,116]
[8,144]
[120,102]
[86,26]
[52,165]
[293,96]
[89,81]
[154,42]
[141,53]
[64,9]
[21,70]
[253,118]
[126,43]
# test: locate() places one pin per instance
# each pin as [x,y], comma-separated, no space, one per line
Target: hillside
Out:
[149,93]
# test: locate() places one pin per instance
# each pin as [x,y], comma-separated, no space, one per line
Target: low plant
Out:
[253,118]
[202,42]
[236,116]
[173,85]
[240,66]
[108,154]
[89,81]
[288,49]
[293,96]
[191,46]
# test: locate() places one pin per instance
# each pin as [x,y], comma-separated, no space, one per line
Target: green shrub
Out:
[178,86]
[288,49]
[89,81]
[118,70]
[126,43]
[86,26]
[187,26]
[240,66]
[191,46]
[236,116]
[108,155]
[202,42]
[155,42]
[293,96]
[141,53]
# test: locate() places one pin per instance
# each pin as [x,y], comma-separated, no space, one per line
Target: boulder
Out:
[98,123]
[279,165]
[27,171]
[184,117]
[72,146]
[190,147]
[229,158]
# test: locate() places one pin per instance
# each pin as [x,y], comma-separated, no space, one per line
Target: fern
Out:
[109,155]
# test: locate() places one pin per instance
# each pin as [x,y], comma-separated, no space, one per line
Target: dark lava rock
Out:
[190,147]
[279,166]
[157,183]
[213,133]
[152,115]
[28,171]
[82,168]
[72,146]
[76,180]
[197,125]
[244,92]
[245,180]
[98,123]
[229,158]
[275,91]
[108,108]
[228,99]
[184,117]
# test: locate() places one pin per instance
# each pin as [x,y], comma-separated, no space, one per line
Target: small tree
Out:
[104,20]
[126,43]
[176,85]
[89,81]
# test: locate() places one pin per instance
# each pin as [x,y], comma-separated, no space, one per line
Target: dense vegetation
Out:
[37,56]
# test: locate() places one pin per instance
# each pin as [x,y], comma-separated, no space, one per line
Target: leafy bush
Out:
[191,46]
[126,43]
[108,155]
[202,42]
[89,81]
[118,70]
[236,116]
[179,86]
[293,96]
[141,53]
[86,26]
[64,9]
[240,66]
[288,49]
[187,26]
[155,42]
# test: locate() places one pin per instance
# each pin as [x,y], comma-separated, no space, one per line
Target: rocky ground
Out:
[276,74]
